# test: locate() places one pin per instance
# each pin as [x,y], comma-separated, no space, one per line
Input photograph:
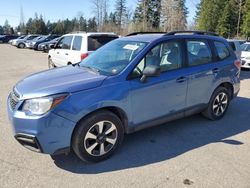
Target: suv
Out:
[74,47]
[131,83]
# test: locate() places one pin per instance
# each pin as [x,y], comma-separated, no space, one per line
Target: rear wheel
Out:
[218,104]
[98,136]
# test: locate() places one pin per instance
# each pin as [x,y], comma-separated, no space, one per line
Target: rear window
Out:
[95,42]
[232,45]
[198,52]
[222,50]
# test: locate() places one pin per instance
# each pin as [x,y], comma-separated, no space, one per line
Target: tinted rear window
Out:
[198,52]
[95,42]
[222,50]
[232,45]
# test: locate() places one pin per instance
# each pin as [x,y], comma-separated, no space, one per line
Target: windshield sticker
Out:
[131,47]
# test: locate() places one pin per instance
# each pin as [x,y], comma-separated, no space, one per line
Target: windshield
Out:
[113,57]
[245,47]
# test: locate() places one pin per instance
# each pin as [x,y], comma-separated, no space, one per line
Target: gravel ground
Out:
[192,152]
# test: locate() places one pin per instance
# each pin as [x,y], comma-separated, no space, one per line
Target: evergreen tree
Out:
[246,19]
[112,18]
[6,28]
[227,22]
[148,13]
[59,29]
[209,14]
[198,12]
[1,30]
[82,24]
[120,11]
[92,25]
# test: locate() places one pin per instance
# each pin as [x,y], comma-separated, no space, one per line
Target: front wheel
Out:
[218,104]
[21,45]
[98,136]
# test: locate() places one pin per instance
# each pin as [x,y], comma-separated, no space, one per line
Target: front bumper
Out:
[40,47]
[48,134]
[29,45]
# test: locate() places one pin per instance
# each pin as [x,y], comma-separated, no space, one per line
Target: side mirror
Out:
[52,46]
[150,71]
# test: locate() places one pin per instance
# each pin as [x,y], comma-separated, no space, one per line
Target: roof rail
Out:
[192,32]
[77,32]
[143,33]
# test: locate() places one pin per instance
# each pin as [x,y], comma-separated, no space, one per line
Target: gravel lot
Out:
[192,152]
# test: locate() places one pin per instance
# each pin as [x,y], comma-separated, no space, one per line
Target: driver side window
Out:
[168,56]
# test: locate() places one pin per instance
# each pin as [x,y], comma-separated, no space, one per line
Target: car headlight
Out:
[40,106]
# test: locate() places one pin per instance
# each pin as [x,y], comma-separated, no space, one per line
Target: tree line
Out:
[149,15]
[229,18]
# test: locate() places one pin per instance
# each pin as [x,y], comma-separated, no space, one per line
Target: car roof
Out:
[152,37]
[90,33]
[143,38]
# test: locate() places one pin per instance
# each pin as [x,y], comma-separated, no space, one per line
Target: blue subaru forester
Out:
[134,82]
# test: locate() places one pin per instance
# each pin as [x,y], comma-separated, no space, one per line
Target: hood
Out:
[59,80]
[245,54]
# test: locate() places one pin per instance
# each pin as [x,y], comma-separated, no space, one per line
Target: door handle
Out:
[181,79]
[215,70]
[57,52]
[66,54]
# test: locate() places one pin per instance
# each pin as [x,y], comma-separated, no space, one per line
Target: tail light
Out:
[83,56]
[237,63]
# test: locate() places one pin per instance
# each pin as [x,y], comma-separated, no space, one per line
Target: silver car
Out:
[21,43]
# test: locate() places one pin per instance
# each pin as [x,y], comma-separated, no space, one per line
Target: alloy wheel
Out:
[220,104]
[100,138]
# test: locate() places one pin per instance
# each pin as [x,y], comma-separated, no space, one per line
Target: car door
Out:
[202,70]
[62,51]
[160,96]
[75,55]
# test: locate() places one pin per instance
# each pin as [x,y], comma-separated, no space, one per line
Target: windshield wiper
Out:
[91,68]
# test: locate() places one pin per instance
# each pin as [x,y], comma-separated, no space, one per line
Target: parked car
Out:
[45,39]
[13,41]
[245,56]
[131,83]
[74,47]
[6,38]
[30,43]
[46,46]
[236,45]
[21,42]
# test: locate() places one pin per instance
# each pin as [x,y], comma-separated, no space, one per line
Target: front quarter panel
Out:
[80,104]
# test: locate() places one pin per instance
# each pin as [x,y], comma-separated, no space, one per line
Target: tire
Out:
[51,65]
[218,104]
[89,141]
[21,45]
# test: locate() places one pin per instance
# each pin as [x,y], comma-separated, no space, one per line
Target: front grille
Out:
[14,99]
